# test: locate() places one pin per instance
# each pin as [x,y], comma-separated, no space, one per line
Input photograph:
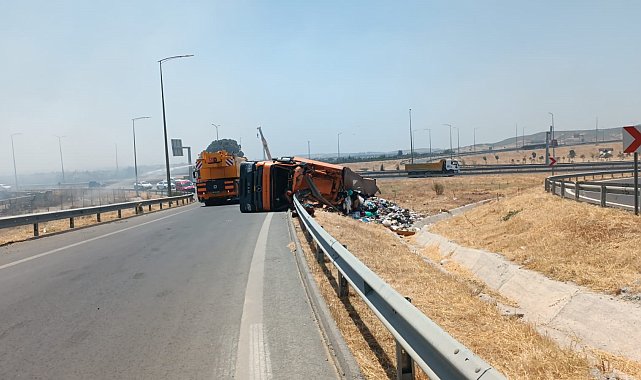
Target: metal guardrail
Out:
[418,338]
[35,219]
[560,184]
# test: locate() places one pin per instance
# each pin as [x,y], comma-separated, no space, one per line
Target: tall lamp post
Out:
[216,125]
[13,152]
[339,146]
[164,119]
[551,114]
[451,150]
[458,141]
[411,140]
[474,145]
[62,164]
[429,133]
[133,127]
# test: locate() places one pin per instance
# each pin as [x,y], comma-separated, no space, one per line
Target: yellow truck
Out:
[217,177]
[438,168]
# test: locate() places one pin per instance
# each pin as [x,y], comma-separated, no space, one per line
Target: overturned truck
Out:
[271,185]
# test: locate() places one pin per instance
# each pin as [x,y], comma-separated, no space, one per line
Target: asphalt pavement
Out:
[189,293]
[625,201]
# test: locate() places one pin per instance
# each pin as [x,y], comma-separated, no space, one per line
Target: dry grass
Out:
[512,346]
[565,240]
[16,234]
[418,195]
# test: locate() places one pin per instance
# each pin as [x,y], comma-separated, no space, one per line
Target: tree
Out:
[485,159]
[583,157]
[534,155]
[497,158]
[541,158]
[229,145]
[571,154]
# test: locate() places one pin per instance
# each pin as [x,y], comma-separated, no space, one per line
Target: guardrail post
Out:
[576,190]
[98,217]
[603,195]
[161,205]
[169,204]
[404,362]
[553,187]
[562,189]
[71,223]
[36,231]
[547,185]
[343,287]
[149,207]
[119,214]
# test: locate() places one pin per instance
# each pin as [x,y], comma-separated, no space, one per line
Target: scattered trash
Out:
[380,210]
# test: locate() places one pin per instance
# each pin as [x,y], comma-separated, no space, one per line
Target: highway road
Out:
[614,200]
[189,293]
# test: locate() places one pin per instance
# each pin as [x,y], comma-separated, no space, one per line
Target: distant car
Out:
[95,184]
[185,185]
[143,185]
[4,187]
[162,185]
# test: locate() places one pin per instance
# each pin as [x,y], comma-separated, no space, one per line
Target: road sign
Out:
[632,139]
[552,161]
[177,147]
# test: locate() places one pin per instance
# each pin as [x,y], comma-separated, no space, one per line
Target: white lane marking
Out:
[253,359]
[86,241]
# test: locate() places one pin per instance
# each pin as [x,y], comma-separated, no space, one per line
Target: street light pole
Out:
[13,152]
[133,127]
[474,146]
[62,164]
[116,159]
[339,146]
[411,140]
[429,131]
[216,125]
[164,119]
[553,154]
[451,150]
[309,152]
[458,142]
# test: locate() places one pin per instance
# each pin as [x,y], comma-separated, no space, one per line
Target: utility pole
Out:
[411,140]
[216,125]
[339,146]
[116,159]
[62,164]
[309,152]
[13,152]
[552,133]
[516,136]
[429,131]
[596,135]
[523,141]
[451,150]
[474,145]
[133,127]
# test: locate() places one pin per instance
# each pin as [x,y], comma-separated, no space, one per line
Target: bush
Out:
[438,188]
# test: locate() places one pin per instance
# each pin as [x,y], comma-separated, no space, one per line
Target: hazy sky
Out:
[305,71]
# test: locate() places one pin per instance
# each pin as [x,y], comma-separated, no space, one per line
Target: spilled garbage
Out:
[380,210]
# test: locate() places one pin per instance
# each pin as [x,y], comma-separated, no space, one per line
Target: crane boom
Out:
[266,152]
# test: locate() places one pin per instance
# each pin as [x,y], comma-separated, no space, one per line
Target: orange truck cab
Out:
[217,177]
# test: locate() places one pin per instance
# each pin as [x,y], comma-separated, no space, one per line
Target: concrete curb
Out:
[345,363]
[565,311]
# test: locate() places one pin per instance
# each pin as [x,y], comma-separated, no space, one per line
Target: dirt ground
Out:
[418,194]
